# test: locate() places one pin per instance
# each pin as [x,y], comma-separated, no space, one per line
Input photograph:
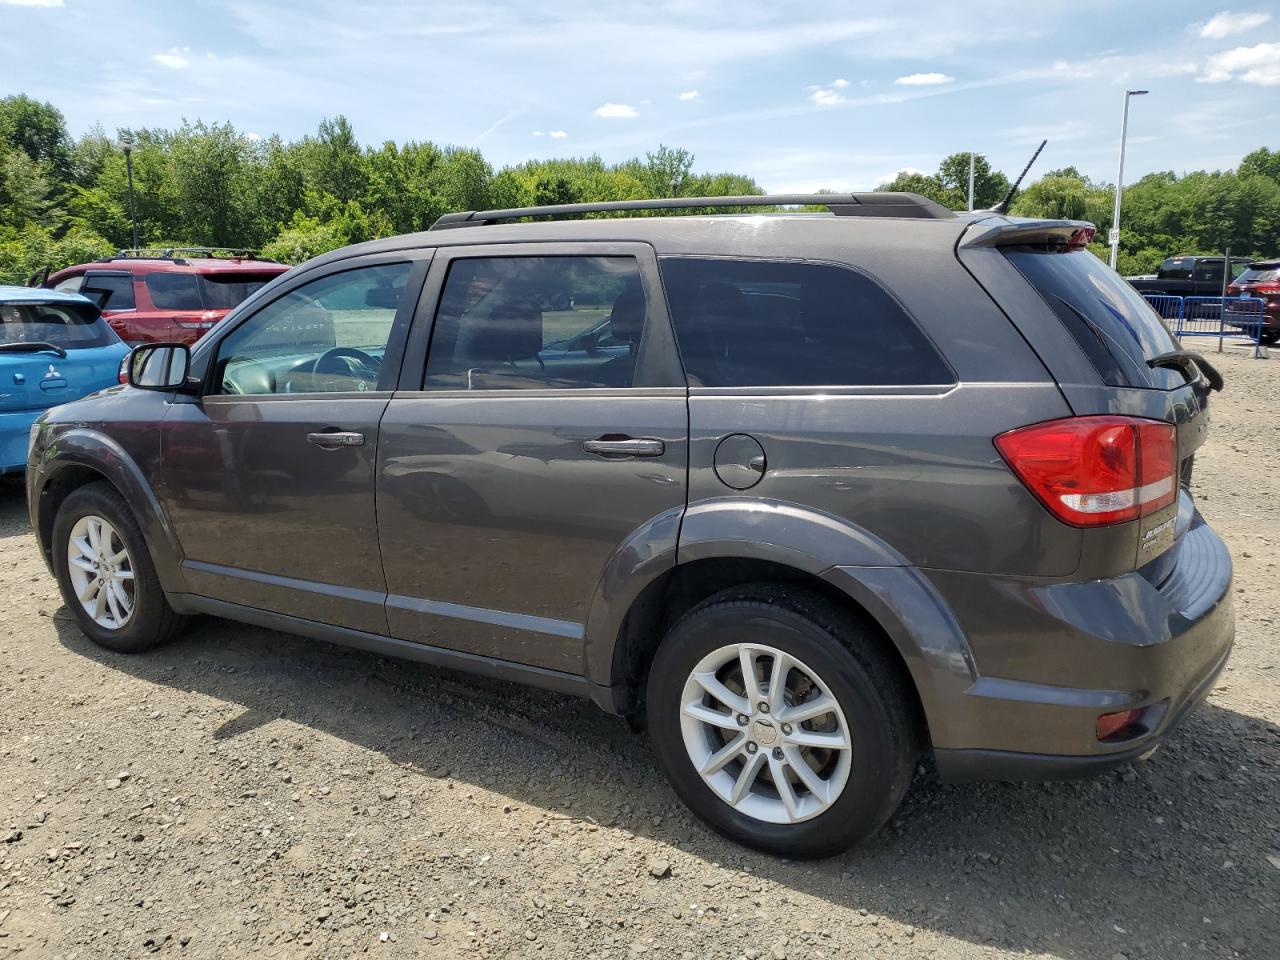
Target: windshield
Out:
[67,325]
[1110,320]
[198,291]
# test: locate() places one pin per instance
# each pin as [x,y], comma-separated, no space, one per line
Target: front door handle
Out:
[336,438]
[625,447]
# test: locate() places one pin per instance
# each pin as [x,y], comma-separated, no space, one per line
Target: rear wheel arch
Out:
[664,601]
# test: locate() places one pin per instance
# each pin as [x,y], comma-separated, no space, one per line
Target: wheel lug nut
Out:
[786,729]
[777,753]
[742,719]
[764,707]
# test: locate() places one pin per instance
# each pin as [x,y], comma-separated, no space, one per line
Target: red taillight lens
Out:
[1272,288]
[1095,471]
[123,373]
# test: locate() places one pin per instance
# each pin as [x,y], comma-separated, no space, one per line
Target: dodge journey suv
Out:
[808,495]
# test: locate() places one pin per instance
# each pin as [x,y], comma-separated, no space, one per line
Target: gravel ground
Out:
[243,792]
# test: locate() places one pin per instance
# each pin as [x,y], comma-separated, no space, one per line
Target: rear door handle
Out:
[625,447]
[337,438]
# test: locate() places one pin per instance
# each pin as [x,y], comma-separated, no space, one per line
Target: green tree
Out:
[37,129]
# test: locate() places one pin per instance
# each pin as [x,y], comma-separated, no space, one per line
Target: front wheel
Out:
[105,573]
[780,721]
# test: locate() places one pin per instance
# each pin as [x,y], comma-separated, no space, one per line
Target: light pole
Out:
[971,157]
[1115,213]
[126,144]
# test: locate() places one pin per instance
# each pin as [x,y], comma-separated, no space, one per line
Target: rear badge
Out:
[1161,535]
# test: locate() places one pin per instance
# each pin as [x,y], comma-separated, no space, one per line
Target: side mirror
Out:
[160,366]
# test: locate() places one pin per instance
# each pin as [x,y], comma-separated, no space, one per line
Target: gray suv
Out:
[810,496]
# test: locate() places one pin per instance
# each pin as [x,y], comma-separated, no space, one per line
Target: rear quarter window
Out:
[747,323]
[1115,327]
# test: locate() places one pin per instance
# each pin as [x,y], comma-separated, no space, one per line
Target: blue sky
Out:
[800,95]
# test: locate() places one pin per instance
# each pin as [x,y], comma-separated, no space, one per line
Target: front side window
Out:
[326,336]
[759,323]
[110,291]
[511,323]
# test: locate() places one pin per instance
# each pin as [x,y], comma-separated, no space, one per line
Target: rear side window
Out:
[110,291]
[68,325]
[521,323]
[1114,326]
[174,291]
[761,323]
[194,291]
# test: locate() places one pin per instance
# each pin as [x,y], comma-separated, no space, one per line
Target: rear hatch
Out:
[1146,371]
[53,352]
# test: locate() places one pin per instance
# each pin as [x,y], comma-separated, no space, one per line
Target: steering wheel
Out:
[326,362]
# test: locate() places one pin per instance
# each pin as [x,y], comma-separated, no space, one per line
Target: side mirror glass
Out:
[160,366]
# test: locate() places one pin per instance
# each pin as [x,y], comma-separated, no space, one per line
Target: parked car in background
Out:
[54,347]
[1189,276]
[743,479]
[1262,280]
[170,295]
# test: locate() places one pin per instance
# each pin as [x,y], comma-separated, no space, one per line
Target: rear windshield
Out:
[1112,323]
[1176,268]
[195,291]
[68,325]
[1259,275]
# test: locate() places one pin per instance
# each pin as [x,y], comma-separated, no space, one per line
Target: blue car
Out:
[54,348]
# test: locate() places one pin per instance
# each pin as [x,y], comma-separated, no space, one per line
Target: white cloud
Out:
[535,133]
[923,80]
[1227,24]
[32,3]
[616,111]
[558,134]
[1258,65]
[175,59]
[826,98]
[690,95]
[840,83]
[890,177]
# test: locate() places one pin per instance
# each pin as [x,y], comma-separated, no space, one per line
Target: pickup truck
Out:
[1190,276]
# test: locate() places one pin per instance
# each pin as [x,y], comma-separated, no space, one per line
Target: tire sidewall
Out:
[878,744]
[141,631]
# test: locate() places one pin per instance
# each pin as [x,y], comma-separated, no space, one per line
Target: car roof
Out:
[197,265]
[9,294]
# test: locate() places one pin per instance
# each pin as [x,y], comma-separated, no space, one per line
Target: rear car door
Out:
[269,476]
[113,292]
[512,470]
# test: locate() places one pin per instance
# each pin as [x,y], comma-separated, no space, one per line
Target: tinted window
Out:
[1209,270]
[174,291]
[745,323]
[510,323]
[1259,275]
[110,291]
[327,335]
[66,324]
[194,291]
[1176,268]
[1112,323]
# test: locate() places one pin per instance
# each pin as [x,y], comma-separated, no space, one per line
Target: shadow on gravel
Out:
[1136,864]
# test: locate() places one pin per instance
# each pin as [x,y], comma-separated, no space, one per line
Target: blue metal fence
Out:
[1227,318]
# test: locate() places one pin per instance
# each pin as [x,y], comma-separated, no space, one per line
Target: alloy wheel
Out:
[101,572]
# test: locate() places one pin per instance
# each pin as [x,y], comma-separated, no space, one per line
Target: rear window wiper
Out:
[33,346]
[1189,362]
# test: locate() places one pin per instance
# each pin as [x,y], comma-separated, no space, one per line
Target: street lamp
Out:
[1115,213]
[126,144]
[971,157]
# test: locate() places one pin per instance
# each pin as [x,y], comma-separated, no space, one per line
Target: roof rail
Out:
[879,204]
[179,254]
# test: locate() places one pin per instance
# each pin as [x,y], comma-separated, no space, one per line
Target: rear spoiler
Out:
[1001,232]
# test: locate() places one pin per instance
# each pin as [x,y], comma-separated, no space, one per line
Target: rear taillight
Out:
[1096,471]
[123,373]
[1270,288]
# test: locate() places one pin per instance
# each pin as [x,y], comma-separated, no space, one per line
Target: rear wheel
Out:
[1270,337]
[780,722]
[105,573]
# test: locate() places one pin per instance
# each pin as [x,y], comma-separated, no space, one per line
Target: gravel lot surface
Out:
[246,793]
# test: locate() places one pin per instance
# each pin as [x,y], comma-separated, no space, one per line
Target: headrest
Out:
[626,320]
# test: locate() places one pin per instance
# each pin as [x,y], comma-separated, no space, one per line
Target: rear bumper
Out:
[15,431]
[1051,658]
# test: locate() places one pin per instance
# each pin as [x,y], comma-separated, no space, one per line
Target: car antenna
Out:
[1003,206]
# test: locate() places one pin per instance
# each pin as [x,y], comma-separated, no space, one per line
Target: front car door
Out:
[511,469]
[268,477]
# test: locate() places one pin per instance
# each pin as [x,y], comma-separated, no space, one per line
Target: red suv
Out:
[1261,280]
[167,295]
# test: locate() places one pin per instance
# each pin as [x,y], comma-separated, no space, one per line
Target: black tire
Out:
[153,621]
[864,680]
[1270,337]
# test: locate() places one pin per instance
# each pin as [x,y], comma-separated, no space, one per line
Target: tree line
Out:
[65,200]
